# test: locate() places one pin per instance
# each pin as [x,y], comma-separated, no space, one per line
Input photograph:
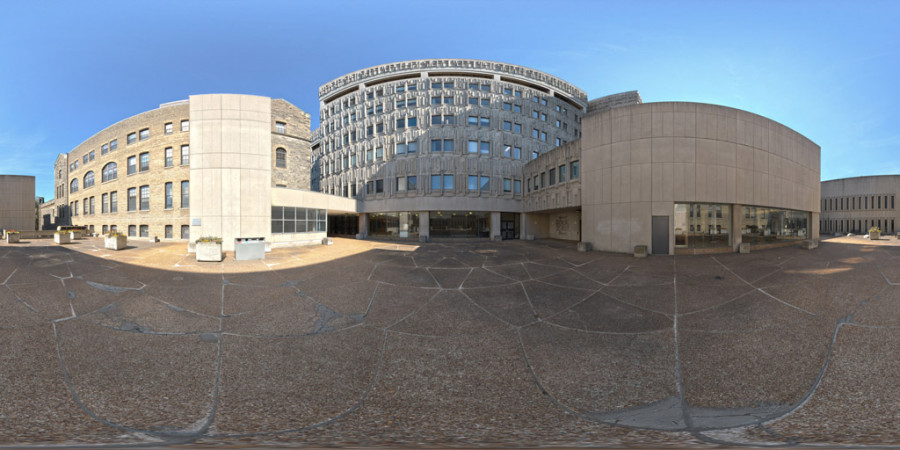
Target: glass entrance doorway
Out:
[509,226]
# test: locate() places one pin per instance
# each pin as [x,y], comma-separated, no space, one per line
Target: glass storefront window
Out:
[459,223]
[702,225]
[761,225]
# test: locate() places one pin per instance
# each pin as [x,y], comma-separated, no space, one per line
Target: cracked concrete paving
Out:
[457,342]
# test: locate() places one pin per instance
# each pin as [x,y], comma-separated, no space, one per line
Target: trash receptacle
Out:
[249,248]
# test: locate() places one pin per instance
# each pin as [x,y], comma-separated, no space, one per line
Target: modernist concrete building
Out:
[447,148]
[479,148]
[436,147]
[854,205]
[17,204]
[213,165]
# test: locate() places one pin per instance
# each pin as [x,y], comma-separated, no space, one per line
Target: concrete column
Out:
[495,226]
[404,224]
[424,224]
[814,226]
[363,226]
[737,221]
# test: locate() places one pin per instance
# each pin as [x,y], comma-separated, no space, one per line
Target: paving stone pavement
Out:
[456,342]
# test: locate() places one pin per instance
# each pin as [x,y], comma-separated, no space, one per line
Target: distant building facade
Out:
[17,203]
[855,205]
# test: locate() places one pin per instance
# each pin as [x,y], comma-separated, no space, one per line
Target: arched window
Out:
[89,179]
[280,157]
[110,172]
[73,187]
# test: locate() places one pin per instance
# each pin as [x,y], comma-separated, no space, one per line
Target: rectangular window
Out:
[401,184]
[379,153]
[168,156]
[145,231]
[435,100]
[543,136]
[132,165]
[412,147]
[185,232]
[517,128]
[113,202]
[104,149]
[436,120]
[562,173]
[507,185]
[473,120]
[411,102]
[400,88]
[485,148]
[104,203]
[168,231]
[132,138]
[185,194]
[145,198]
[472,185]
[507,151]
[485,102]
[485,184]
[379,186]
[517,152]
[185,125]
[145,134]
[574,165]
[507,106]
[132,199]
[400,149]
[543,179]
[473,147]
[185,155]
[145,162]
[534,113]
[92,205]
[448,182]
[435,182]
[85,158]
[113,145]
[401,123]
[91,155]
[517,108]
[411,183]
[168,128]
[534,155]
[473,101]
[552,177]
[485,121]
[132,231]
[369,155]
[169,195]
[85,206]
[507,126]
[517,187]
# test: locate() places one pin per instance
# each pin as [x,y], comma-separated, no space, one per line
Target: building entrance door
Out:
[660,235]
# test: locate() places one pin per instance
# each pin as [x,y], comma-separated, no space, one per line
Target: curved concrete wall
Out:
[639,160]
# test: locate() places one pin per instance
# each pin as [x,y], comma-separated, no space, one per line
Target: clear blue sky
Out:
[829,70]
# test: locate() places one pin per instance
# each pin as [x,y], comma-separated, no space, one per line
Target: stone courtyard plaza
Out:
[449,343]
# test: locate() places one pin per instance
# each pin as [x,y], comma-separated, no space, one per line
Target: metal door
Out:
[660,235]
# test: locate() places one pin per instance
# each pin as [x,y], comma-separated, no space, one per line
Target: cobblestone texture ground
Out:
[452,343]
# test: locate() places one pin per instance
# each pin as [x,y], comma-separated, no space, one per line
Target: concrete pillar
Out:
[424,231]
[814,226]
[363,226]
[737,221]
[404,224]
[495,226]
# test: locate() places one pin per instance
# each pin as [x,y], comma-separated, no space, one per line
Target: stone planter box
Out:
[874,236]
[640,251]
[12,238]
[62,238]
[209,251]
[74,235]
[115,242]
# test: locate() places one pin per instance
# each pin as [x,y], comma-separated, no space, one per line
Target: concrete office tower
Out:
[854,205]
[436,147]
[17,207]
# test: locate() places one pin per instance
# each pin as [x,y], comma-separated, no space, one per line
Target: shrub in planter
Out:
[874,233]
[12,236]
[62,237]
[209,249]
[115,240]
